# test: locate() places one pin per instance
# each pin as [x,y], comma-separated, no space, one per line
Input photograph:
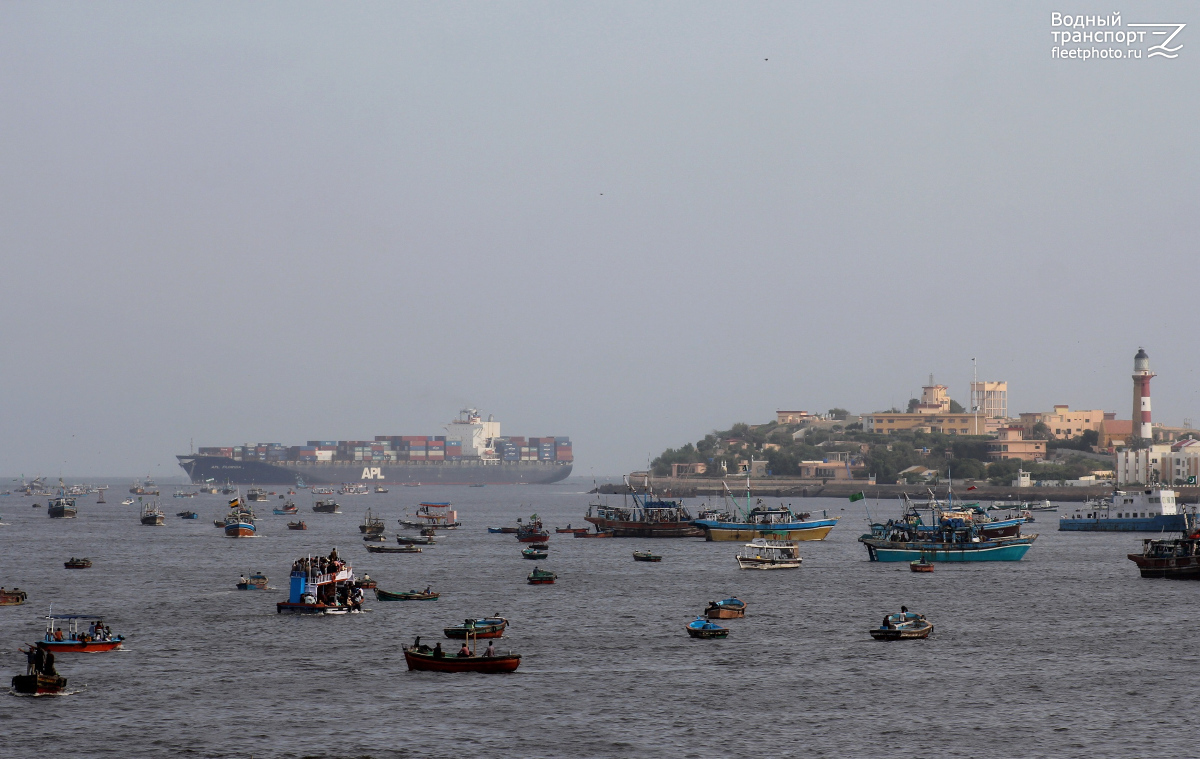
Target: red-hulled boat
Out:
[649,517]
[426,660]
[68,637]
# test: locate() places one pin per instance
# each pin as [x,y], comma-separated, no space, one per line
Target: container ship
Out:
[472,452]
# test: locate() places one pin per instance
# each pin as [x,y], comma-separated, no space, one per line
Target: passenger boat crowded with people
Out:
[321,585]
[64,635]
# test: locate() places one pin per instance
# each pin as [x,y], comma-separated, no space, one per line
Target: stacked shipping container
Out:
[396,448]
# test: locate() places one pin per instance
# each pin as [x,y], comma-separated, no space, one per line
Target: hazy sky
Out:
[629,223]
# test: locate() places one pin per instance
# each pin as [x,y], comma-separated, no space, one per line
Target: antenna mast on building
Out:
[975,392]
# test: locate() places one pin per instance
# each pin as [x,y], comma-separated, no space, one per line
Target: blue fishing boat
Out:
[746,522]
[965,534]
[288,509]
[702,628]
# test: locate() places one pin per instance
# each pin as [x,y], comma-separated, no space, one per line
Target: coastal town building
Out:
[1144,466]
[794,417]
[1064,423]
[990,399]
[889,423]
[1113,433]
[1182,465]
[685,470]
[1010,443]
[934,399]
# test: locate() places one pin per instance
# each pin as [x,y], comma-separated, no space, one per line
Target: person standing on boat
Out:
[30,659]
[437,651]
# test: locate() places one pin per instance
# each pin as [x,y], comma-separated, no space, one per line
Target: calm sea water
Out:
[1067,653]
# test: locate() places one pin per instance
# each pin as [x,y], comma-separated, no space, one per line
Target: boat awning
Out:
[73,616]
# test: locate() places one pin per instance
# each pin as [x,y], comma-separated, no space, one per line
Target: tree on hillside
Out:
[838,413]
[1004,471]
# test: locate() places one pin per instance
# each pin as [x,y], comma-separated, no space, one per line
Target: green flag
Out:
[1192,480]
[858,496]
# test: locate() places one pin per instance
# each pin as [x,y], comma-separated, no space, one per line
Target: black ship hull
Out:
[466,472]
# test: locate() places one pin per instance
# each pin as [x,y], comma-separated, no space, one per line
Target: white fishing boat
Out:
[761,553]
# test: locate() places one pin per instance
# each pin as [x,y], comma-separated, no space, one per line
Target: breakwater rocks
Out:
[791,488]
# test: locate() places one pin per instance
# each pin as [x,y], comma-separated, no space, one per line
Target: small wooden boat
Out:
[646,556]
[377,537]
[39,684]
[541,577]
[496,530]
[257,581]
[484,627]
[326,507]
[219,523]
[187,515]
[729,608]
[365,582]
[597,534]
[297,525]
[427,660]
[903,626]
[921,565]
[412,595]
[380,489]
[415,540]
[13,597]
[393,549]
[78,563]
[702,628]
[569,530]
[534,554]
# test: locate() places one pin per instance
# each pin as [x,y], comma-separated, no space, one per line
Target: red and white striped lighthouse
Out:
[1141,395]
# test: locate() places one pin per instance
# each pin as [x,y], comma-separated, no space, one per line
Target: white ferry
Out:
[1144,510]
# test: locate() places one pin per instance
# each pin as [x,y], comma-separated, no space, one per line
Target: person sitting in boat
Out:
[490,650]
[464,651]
[58,634]
[242,580]
[887,622]
[437,651]
[428,589]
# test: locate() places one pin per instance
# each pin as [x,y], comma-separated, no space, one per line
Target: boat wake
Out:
[70,692]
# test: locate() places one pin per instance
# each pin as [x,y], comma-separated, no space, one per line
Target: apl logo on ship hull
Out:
[372,473]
